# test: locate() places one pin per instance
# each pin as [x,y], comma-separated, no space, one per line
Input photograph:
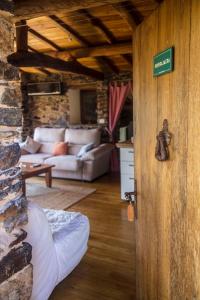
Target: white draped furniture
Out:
[59,241]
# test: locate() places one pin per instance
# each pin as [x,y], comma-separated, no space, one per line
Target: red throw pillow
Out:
[60,149]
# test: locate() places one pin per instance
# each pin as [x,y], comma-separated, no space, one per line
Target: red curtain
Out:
[117,97]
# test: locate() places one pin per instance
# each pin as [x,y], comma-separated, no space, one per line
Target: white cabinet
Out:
[126,170]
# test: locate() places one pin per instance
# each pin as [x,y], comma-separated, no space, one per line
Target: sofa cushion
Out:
[98,152]
[49,135]
[60,148]
[83,136]
[35,158]
[47,148]
[74,149]
[30,145]
[64,162]
[84,149]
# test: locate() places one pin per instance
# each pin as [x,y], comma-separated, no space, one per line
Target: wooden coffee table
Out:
[29,171]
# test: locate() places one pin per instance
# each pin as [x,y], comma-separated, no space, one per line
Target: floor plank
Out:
[107,270]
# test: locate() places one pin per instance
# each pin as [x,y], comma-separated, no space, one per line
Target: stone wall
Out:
[54,110]
[15,253]
[11,118]
[51,110]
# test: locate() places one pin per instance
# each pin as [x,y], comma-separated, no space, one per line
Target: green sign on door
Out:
[163,62]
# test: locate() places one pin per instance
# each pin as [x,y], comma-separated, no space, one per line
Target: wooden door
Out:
[167,228]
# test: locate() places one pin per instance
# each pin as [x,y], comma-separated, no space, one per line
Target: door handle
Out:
[132,198]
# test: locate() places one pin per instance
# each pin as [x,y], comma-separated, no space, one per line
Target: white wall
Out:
[74,103]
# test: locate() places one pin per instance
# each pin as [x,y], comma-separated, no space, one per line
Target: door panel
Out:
[162,243]
[145,103]
[193,158]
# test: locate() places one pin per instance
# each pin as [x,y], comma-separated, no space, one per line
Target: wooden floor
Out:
[107,270]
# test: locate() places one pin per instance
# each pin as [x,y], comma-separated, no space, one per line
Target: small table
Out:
[29,171]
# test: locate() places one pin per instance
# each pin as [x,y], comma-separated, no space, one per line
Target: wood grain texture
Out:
[125,12]
[145,101]
[25,9]
[107,271]
[101,25]
[167,251]
[193,152]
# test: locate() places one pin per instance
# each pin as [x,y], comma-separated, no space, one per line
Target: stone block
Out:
[19,286]
[9,156]
[10,95]
[15,260]
[10,134]
[8,72]
[10,116]
[6,38]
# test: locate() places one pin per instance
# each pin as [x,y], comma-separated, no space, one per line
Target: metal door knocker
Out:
[163,141]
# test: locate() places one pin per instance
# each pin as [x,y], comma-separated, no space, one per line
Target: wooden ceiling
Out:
[96,35]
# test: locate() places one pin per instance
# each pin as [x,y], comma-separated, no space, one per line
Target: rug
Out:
[56,198]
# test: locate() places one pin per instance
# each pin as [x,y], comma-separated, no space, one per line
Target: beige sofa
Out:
[90,166]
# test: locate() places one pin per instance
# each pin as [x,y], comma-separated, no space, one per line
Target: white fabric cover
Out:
[83,136]
[65,162]
[59,240]
[49,135]
[38,158]
[44,258]
[70,235]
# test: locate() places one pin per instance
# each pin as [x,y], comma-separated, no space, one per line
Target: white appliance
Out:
[127,170]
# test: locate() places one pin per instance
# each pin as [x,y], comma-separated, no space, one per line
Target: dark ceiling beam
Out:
[99,25]
[38,60]
[128,58]
[69,30]
[43,39]
[33,49]
[21,36]
[107,62]
[82,41]
[25,9]
[22,41]
[124,11]
[96,51]
[42,70]
[108,35]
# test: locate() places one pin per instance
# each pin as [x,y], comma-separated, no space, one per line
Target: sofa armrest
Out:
[98,152]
